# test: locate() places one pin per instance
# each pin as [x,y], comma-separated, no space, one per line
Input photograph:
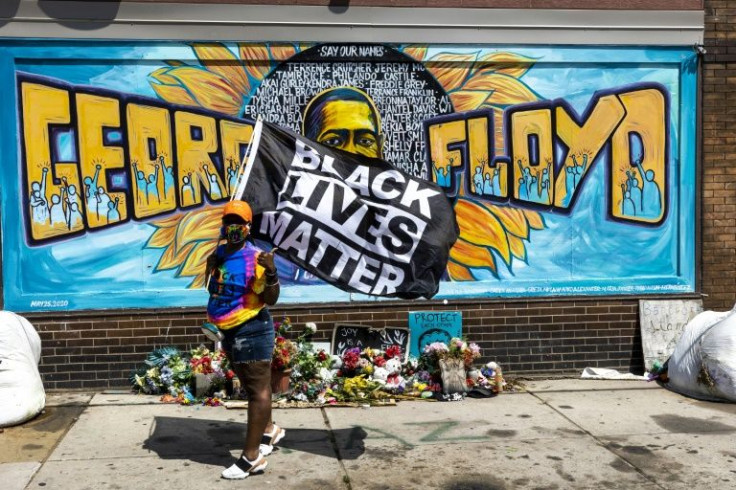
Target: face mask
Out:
[234,233]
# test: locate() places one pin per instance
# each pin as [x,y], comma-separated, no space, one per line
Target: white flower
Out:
[310,328]
[492,365]
[336,362]
[326,374]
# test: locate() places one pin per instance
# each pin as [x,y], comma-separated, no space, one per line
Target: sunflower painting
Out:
[234,80]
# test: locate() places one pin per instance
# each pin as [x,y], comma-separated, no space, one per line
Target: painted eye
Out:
[332,141]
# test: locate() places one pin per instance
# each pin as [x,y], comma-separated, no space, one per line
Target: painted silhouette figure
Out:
[113,214]
[90,183]
[39,204]
[496,182]
[187,189]
[141,187]
[488,185]
[58,215]
[651,196]
[102,202]
[152,187]
[478,181]
[214,185]
[168,175]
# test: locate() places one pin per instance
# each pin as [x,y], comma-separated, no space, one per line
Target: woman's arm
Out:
[272,290]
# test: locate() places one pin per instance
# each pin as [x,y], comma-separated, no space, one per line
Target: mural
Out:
[569,175]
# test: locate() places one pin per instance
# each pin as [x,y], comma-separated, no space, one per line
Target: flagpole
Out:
[247,164]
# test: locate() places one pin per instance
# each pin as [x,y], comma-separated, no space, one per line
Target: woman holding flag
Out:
[243,281]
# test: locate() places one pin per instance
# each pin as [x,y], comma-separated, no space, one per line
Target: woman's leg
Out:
[256,379]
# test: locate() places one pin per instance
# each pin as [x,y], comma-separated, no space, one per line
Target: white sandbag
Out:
[22,395]
[703,364]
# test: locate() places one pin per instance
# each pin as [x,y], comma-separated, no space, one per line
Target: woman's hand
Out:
[265,260]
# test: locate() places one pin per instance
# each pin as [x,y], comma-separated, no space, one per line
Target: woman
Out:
[243,280]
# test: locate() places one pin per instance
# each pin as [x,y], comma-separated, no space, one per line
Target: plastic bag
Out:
[703,364]
[22,395]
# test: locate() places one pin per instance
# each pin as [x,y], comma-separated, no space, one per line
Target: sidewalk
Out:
[558,434]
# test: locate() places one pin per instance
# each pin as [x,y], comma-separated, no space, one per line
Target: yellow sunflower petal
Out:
[162,237]
[198,225]
[172,257]
[451,69]
[220,60]
[283,52]
[480,227]
[470,255]
[162,75]
[256,59]
[198,282]
[512,219]
[195,261]
[173,94]
[518,249]
[418,52]
[458,273]
[509,90]
[467,100]
[209,89]
[535,219]
[511,64]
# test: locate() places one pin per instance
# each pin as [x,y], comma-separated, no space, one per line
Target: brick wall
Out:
[539,337]
[719,156]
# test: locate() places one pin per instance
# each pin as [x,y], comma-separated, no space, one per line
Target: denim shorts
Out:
[251,341]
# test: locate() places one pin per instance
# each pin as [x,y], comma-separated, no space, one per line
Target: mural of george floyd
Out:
[571,171]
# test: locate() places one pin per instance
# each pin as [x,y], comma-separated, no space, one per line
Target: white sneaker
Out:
[268,441]
[243,468]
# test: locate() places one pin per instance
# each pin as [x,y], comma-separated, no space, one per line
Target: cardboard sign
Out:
[433,326]
[346,337]
[661,324]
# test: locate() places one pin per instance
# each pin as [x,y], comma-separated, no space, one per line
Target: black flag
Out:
[356,222]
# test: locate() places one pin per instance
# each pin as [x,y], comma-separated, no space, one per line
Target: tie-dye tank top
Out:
[235,287]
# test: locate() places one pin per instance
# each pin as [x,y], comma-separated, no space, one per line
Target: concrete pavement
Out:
[557,434]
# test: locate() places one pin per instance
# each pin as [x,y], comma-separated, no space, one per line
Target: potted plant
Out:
[284,351]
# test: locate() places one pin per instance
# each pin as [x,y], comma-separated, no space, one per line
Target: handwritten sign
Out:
[433,326]
[662,322]
[346,337]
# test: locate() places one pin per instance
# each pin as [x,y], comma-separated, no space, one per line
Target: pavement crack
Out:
[336,448]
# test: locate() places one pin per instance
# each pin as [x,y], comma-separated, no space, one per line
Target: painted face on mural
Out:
[350,126]
[345,118]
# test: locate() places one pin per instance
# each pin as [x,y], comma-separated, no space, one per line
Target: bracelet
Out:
[269,284]
[274,274]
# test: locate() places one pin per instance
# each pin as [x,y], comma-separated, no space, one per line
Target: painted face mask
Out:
[235,233]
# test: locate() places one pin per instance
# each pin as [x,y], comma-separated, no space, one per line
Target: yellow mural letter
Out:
[638,164]
[441,136]
[528,159]
[196,138]
[95,114]
[52,186]
[233,136]
[583,142]
[149,141]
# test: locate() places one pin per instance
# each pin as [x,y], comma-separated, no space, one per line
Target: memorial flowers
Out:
[169,371]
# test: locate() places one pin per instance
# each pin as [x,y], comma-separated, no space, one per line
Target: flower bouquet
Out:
[171,372]
[452,361]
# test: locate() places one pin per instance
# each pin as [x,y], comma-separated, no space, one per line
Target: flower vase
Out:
[280,381]
[453,376]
